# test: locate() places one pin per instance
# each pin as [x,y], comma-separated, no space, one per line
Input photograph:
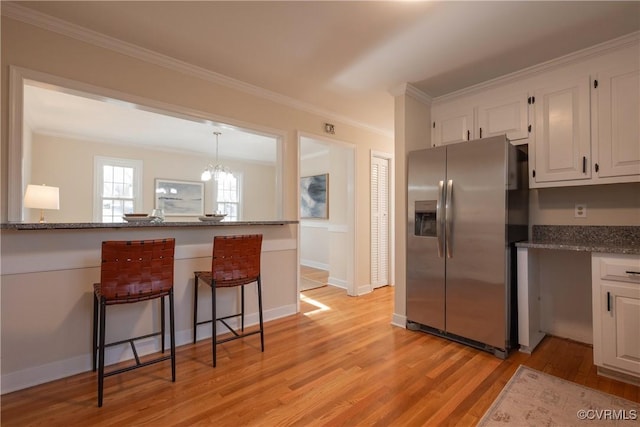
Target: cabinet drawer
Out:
[620,270]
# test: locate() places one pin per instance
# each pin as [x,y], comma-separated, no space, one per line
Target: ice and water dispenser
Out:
[425,218]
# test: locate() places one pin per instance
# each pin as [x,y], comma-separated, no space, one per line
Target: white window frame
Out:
[98,182]
[238,177]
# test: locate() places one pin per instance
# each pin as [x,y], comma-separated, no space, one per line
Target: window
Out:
[116,188]
[228,195]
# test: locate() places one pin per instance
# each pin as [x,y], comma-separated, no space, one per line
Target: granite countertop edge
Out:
[581,247]
[585,238]
[168,224]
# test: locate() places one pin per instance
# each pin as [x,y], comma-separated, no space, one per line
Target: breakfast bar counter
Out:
[47,273]
[118,225]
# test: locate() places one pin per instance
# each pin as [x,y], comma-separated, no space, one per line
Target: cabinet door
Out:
[454,126]
[504,116]
[618,113]
[621,326]
[562,132]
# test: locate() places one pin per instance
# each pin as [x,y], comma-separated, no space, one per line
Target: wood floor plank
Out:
[339,362]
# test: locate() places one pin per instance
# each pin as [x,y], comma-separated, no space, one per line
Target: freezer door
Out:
[476,271]
[425,240]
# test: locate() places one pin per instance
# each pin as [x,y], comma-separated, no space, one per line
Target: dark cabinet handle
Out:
[608,301]
[468,135]
[480,132]
[584,164]
[597,166]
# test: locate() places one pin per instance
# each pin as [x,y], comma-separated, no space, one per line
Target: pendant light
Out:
[214,171]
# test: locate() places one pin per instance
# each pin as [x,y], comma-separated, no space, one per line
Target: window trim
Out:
[239,180]
[98,182]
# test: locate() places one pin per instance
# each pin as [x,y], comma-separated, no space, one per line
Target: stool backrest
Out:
[136,268]
[236,259]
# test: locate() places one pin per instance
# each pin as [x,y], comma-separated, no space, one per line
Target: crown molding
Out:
[579,55]
[50,23]
[410,90]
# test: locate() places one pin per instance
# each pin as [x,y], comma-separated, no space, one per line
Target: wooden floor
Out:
[339,363]
[312,278]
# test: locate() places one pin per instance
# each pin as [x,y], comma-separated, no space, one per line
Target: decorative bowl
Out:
[212,217]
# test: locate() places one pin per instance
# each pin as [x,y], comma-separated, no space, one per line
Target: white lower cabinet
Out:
[616,313]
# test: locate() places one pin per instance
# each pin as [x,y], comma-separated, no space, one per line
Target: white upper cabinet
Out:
[504,116]
[561,143]
[452,126]
[466,121]
[579,115]
[617,120]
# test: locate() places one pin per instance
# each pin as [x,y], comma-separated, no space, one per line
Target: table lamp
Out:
[42,197]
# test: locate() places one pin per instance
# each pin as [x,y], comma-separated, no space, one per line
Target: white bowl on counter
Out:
[212,217]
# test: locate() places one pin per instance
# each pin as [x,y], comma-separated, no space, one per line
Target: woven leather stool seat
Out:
[235,262]
[131,272]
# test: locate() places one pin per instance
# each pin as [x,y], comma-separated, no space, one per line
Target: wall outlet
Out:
[580,211]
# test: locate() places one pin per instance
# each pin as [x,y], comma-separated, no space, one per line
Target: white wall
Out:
[314,233]
[46,287]
[324,242]
[67,163]
[413,132]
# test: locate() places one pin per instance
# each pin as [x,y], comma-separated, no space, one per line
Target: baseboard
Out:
[399,320]
[19,380]
[338,283]
[314,264]
[625,378]
[364,289]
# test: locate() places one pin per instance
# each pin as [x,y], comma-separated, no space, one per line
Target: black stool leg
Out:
[195,307]
[95,333]
[260,313]
[101,352]
[162,322]
[214,322]
[172,331]
[242,308]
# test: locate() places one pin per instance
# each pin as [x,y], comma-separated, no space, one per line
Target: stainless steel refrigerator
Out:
[467,206]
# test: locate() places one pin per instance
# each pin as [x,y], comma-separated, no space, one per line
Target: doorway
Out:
[327,231]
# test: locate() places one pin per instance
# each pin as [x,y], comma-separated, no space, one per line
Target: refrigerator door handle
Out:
[449,219]
[440,219]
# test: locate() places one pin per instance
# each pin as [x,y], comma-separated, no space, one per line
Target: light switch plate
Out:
[580,210]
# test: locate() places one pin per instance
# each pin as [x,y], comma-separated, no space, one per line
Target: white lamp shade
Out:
[42,197]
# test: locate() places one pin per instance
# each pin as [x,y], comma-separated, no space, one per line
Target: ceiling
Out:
[345,57]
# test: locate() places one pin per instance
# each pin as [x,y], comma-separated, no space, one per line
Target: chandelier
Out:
[216,171]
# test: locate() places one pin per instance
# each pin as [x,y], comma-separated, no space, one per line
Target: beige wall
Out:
[37,49]
[413,132]
[610,204]
[68,164]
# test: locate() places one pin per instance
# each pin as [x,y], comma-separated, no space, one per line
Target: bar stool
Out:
[133,271]
[235,262]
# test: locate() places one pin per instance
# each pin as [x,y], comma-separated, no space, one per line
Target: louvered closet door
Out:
[379,222]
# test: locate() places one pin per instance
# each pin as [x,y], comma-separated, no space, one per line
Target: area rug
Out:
[533,398]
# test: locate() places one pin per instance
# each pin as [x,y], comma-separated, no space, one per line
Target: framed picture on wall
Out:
[314,196]
[180,198]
